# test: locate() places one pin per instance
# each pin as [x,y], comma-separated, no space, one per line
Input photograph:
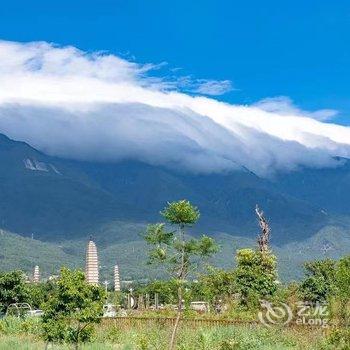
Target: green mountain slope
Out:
[24,253]
[130,253]
[57,198]
[326,188]
[64,201]
[46,196]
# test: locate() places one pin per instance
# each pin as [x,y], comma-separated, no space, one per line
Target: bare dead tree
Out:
[264,236]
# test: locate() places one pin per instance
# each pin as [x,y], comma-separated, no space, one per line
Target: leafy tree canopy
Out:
[73,308]
[319,281]
[256,274]
[13,288]
[181,213]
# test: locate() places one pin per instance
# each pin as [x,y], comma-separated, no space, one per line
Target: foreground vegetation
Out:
[26,334]
[73,309]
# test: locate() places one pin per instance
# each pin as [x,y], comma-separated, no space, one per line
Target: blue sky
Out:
[267,48]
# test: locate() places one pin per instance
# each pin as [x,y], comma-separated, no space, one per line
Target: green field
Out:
[25,335]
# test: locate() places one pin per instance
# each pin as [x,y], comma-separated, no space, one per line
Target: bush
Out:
[256,275]
[319,282]
[339,339]
[73,309]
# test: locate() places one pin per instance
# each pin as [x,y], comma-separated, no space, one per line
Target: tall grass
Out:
[25,334]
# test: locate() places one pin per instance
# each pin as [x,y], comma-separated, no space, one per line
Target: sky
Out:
[222,83]
[266,48]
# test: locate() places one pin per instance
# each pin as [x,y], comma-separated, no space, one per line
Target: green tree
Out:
[39,293]
[177,251]
[73,309]
[342,281]
[215,285]
[319,282]
[256,275]
[13,288]
[167,290]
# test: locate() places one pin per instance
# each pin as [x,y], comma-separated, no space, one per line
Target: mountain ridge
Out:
[56,197]
[53,205]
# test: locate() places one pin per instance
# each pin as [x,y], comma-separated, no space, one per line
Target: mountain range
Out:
[55,204]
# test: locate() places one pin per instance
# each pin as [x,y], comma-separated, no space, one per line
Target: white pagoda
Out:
[116,279]
[91,268]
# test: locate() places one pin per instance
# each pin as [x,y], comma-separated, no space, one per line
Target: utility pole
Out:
[106,283]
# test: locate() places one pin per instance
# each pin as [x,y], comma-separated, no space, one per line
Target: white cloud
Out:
[101,107]
[213,87]
[283,105]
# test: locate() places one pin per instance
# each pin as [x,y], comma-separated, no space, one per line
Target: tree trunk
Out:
[177,321]
[264,236]
[179,291]
[76,345]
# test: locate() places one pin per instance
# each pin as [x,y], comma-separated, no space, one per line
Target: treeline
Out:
[71,306]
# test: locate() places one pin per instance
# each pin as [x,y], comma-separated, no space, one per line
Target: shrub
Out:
[319,282]
[256,275]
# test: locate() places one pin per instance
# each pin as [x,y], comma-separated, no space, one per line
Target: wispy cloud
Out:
[99,106]
[190,84]
[213,87]
[284,105]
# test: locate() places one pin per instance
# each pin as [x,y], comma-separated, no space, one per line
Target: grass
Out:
[216,338]
[25,335]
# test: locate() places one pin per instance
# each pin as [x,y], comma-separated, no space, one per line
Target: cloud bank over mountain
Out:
[97,106]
